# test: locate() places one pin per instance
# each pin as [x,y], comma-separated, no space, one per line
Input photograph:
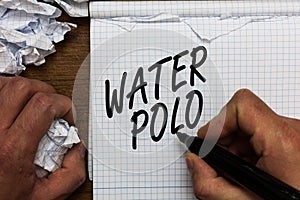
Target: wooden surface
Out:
[60,71]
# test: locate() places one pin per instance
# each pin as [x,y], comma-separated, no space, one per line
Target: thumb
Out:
[65,180]
[208,185]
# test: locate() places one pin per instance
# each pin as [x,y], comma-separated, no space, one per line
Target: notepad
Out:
[157,66]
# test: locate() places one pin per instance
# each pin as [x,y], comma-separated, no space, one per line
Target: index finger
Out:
[35,119]
[248,114]
[15,93]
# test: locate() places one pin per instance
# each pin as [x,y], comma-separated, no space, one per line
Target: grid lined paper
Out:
[251,45]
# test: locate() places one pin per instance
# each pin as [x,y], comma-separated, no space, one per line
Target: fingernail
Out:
[82,150]
[190,164]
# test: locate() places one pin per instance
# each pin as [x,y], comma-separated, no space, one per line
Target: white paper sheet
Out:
[250,45]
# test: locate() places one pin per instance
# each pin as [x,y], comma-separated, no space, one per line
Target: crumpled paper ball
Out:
[53,146]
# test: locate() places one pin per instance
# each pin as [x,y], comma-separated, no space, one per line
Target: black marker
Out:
[242,172]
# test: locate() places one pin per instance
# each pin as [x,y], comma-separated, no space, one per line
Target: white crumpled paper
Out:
[74,8]
[53,146]
[28,31]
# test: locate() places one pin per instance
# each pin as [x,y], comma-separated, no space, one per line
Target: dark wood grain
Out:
[60,71]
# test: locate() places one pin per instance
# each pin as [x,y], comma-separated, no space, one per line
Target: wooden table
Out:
[61,68]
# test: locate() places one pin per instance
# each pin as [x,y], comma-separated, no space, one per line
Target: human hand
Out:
[28,107]
[254,132]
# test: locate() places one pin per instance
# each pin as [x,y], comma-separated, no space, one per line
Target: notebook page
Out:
[257,50]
